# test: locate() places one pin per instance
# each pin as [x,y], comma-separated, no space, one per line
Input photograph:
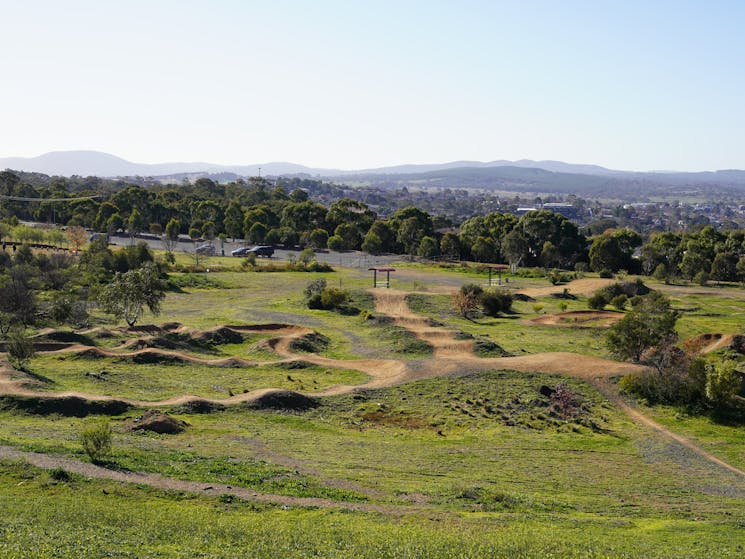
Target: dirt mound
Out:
[90,353]
[271,327]
[157,422]
[584,286]
[219,336]
[581,319]
[64,336]
[232,363]
[282,400]
[310,343]
[42,346]
[710,342]
[98,333]
[154,356]
[156,342]
[68,406]
[199,406]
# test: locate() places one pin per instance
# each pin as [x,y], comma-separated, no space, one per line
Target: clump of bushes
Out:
[472,298]
[557,276]
[496,301]
[319,296]
[612,293]
[678,379]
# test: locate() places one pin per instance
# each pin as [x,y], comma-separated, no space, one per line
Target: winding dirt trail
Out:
[450,356]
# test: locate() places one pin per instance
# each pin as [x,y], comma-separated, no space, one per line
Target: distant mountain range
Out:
[522,175]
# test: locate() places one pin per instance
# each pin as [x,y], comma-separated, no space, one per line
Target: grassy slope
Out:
[488,470]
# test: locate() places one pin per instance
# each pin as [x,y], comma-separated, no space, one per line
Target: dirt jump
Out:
[579,319]
[450,356]
[584,286]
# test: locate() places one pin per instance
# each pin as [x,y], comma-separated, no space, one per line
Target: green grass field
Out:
[476,464]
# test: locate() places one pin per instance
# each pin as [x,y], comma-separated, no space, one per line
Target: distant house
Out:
[567,210]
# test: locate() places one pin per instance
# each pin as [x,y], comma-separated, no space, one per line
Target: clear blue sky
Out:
[351,84]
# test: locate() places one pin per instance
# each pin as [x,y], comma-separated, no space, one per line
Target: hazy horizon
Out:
[634,87]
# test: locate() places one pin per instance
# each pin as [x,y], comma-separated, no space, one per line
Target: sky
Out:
[634,85]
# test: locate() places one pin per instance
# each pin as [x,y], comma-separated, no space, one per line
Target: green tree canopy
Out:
[130,292]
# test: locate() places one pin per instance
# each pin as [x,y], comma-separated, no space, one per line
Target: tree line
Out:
[282,212]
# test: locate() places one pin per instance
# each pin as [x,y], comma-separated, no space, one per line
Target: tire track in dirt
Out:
[49,462]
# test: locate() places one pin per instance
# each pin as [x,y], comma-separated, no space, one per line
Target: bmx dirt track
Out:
[450,356]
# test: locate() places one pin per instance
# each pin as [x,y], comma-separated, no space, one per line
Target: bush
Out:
[60,474]
[332,298]
[466,300]
[96,440]
[496,301]
[597,301]
[314,287]
[628,288]
[701,278]
[605,273]
[619,301]
[722,383]
[20,348]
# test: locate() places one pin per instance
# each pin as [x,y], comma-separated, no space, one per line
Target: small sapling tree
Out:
[129,293]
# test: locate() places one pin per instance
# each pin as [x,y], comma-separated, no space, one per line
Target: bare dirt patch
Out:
[710,342]
[584,286]
[579,319]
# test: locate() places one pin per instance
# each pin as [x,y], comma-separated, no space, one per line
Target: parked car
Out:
[207,250]
[242,251]
[266,251]
[262,250]
[97,236]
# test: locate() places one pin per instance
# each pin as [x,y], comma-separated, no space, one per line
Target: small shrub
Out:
[565,401]
[466,300]
[597,302]
[249,261]
[20,348]
[660,273]
[701,278]
[333,298]
[538,307]
[60,474]
[306,256]
[563,306]
[496,301]
[96,440]
[314,287]
[315,303]
[605,273]
[619,301]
